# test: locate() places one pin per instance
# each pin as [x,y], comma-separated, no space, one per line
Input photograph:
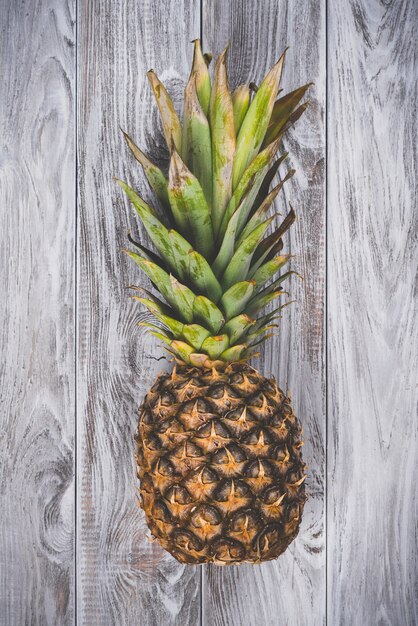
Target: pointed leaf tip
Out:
[221,116]
[255,124]
[169,117]
[202,78]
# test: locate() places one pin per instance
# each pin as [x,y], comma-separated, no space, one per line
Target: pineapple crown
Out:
[215,266]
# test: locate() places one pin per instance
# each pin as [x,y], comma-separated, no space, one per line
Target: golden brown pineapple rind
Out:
[220,464]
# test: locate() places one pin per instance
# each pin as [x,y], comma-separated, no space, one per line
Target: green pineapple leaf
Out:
[238,326]
[177,295]
[162,336]
[212,261]
[202,277]
[215,345]
[202,78]
[180,249]
[155,327]
[273,286]
[249,184]
[159,277]
[227,247]
[254,126]
[236,297]
[169,117]
[196,144]
[195,335]
[234,353]
[257,342]
[223,141]
[160,313]
[269,269]
[265,319]
[240,103]
[251,337]
[184,298]
[260,301]
[181,349]
[262,211]
[237,269]
[152,306]
[267,180]
[267,248]
[155,177]
[207,314]
[282,110]
[189,205]
[147,254]
[163,307]
[157,232]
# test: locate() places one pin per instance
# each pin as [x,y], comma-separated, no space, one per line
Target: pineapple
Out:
[218,445]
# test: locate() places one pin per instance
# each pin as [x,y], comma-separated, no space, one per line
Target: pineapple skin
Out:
[220,465]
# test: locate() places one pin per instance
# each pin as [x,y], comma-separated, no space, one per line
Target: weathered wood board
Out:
[123,578]
[372,313]
[37,395]
[73,542]
[290,590]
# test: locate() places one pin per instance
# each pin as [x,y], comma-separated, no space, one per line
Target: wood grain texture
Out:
[290,590]
[373,356]
[63,547]
[123,578]
[37,182]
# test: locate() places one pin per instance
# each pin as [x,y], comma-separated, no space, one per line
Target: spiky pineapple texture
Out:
[220,464]
[216,268]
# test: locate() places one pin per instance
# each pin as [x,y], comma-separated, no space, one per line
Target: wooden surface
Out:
[296,356]
[74,367]
[37,393]
[122,578]
[372,315]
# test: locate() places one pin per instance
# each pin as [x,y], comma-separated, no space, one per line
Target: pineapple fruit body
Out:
[220,465]
[218,446]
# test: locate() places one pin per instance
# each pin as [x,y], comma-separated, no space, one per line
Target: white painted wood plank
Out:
[122,577]
[37,183]
[373,355]
[290,590]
